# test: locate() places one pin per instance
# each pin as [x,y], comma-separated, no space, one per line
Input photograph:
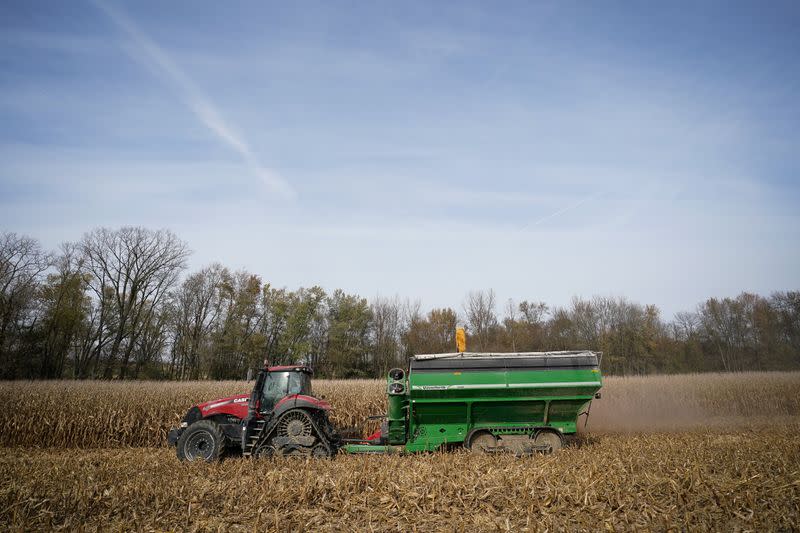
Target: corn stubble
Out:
[717,452]
[698,480]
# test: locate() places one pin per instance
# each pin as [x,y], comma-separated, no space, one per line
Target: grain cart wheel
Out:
[202,440]
[482,442]
[548,438]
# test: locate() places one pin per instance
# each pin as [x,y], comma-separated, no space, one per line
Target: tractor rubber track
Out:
[269,443]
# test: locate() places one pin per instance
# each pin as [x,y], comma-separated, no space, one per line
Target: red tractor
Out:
[279,417]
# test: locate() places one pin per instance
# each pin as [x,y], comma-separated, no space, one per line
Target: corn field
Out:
[91,414]
[688,452]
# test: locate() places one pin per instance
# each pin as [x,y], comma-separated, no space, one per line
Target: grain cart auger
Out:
[486,402]
[280,416]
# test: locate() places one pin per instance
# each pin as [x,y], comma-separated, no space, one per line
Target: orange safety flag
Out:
[461,340]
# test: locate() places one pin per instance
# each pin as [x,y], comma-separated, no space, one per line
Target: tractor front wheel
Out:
[203,440]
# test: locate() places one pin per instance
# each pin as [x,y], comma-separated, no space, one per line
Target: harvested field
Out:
[697,481]
[109,414]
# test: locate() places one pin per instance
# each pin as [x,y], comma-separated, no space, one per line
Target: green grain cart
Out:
[486,402]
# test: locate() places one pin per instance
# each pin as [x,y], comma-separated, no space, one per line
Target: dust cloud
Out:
[694,401]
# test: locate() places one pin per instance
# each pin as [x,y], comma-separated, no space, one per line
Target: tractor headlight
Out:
[396,374]
[396,388]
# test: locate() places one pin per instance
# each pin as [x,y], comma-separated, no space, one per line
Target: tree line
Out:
[119,303]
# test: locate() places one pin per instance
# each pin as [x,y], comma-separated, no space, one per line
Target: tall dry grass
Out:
[111,414]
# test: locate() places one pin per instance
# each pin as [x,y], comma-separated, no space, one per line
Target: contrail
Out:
[560,211]
[155,59]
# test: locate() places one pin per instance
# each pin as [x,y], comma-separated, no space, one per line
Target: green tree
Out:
[237,342]
[348,346]
[288,324]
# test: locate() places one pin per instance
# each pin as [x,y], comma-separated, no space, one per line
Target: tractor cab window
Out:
[274,389]
[299,383]
[280,384]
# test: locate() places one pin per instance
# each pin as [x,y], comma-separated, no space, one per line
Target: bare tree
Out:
[685,325]
[22,264]
[152,341]
[523,325]
[719,325]
[195,307]
[138,266]
[387,323]
[533,312]
[787,308]
[586,320]
[511,324]
[481,316]
[64,305]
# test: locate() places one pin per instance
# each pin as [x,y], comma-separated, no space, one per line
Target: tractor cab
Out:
[280,382]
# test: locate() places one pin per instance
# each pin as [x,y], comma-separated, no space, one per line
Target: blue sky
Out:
[423,149]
